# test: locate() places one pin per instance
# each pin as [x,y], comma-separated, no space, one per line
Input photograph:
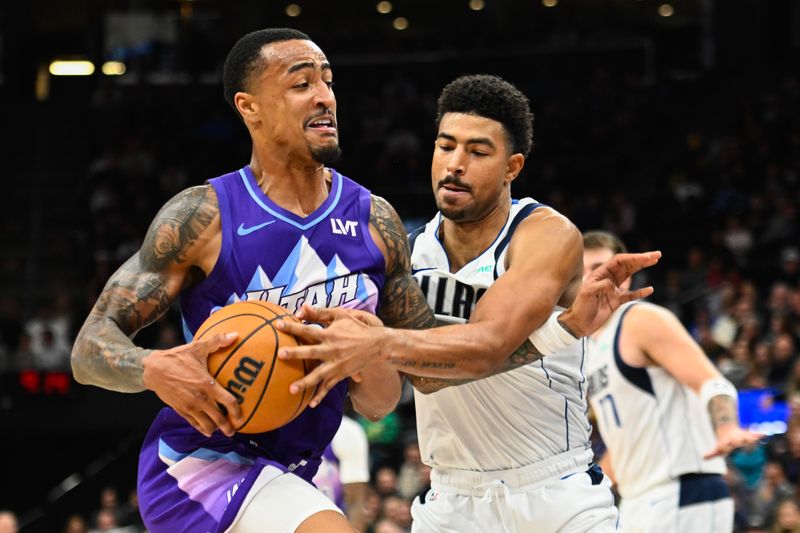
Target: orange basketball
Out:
[250,369]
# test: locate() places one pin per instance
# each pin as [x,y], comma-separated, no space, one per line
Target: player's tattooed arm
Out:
[723,411]
[142,290]
[524,355]
[402,305]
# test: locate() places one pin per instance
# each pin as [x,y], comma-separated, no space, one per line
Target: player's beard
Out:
[453,214]
[326,155]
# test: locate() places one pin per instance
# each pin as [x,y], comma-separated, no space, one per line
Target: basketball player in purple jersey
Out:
[284,228]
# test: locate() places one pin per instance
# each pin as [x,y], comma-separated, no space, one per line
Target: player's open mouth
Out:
[322,124]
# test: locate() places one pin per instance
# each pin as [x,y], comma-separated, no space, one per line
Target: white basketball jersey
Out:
[504,421]
[655,428]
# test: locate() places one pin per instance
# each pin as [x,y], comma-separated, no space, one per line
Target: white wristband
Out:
[717,387]
[551,336]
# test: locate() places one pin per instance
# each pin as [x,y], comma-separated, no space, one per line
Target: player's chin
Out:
[327,153]
[453,212]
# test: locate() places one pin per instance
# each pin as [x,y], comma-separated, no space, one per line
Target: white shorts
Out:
[279,502]
[692,503]
[577,499]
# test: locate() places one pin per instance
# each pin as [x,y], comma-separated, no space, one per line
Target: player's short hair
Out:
[592,240]
[491,97]
[245,58]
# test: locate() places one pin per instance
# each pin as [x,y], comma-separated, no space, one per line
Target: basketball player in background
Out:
[343,475]
[509,452]
[262,232]
[666,415]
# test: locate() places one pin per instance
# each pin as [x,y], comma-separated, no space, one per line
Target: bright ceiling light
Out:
[666,10]
[293,10]
[400,23]
[549,3]
[113,68]
[71,68]
[384,7]
[476,5]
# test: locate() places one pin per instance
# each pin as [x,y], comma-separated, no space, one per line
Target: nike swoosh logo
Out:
[241,230]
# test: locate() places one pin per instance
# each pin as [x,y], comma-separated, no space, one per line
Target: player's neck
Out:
[464,241]
[299,187]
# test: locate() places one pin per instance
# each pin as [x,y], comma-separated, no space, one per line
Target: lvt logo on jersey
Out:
[344,227]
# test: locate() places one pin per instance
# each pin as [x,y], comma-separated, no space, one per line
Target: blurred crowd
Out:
[704,168]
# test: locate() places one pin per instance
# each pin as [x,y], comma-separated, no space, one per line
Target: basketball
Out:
[250,369]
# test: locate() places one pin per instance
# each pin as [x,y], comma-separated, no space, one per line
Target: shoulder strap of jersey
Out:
[519,217]
[412,237]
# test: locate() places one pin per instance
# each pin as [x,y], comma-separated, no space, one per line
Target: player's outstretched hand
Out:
[731,437]
[600,293]
[347,345]
[179,376]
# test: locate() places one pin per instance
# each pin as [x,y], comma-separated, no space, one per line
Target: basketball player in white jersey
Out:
[509,452]
[665,413]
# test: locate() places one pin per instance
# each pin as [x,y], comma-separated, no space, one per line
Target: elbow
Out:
[425,389]
[373,413]
[77,365]
[375,410]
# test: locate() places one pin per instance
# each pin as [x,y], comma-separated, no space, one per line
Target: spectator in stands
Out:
[8,521]
[109,508]
[76,524]
[773,489]
[409,480]
[386,481]
[788,518]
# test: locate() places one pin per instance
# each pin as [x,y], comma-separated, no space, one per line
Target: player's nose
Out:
[323,96]
[457,163]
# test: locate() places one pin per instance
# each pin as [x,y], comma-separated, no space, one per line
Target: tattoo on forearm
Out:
[722,410]
[402,303]
[402,363]
[437,364]
[139,292]
[525,354]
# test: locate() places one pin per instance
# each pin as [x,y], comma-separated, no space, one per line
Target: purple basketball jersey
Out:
[328,480]
[188,482]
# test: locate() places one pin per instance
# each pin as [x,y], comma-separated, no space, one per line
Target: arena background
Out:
[676,125]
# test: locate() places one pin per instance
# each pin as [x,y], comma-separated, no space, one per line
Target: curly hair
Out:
[491,97]
[245,58]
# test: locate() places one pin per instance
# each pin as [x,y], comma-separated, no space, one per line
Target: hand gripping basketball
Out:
[345,347]
[249,369]
[180,377]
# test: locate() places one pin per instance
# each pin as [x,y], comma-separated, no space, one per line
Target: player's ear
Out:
[246,106]
[514,167]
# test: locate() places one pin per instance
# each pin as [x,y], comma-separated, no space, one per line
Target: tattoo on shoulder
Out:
[385,219]
[402,302]
[177,226]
